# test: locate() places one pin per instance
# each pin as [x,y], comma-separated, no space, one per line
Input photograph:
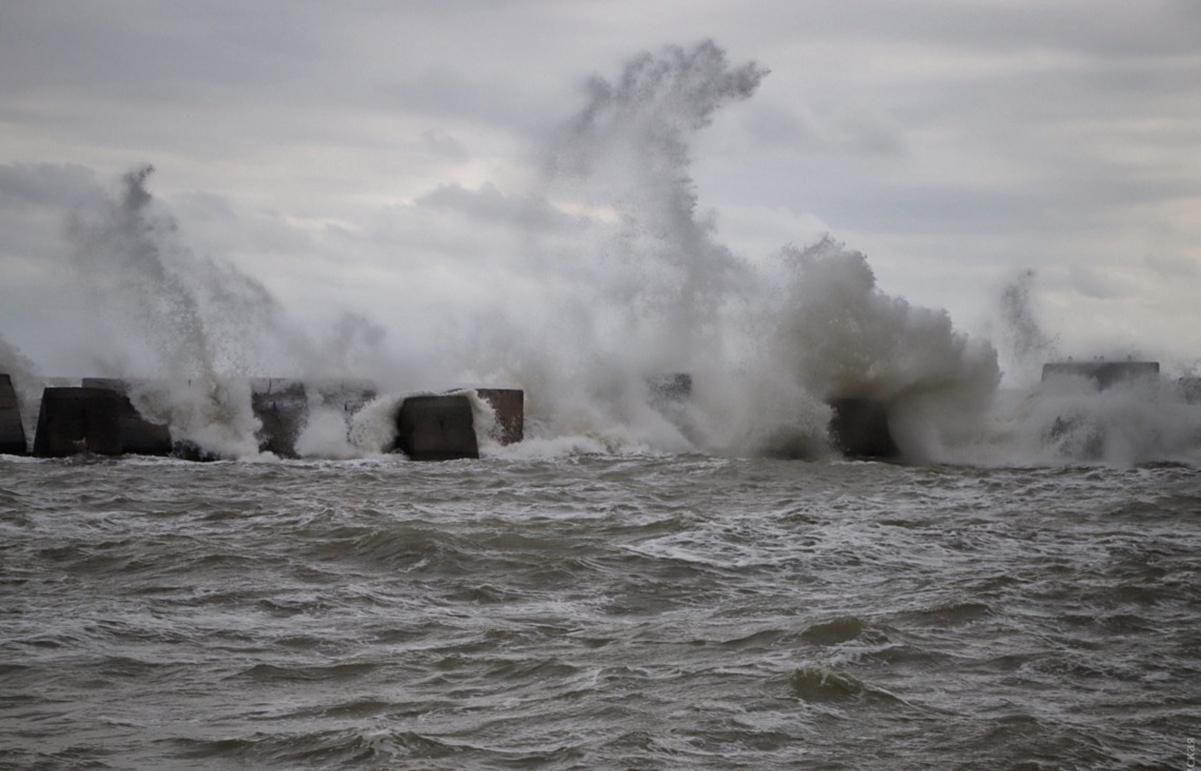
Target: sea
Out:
[598,610]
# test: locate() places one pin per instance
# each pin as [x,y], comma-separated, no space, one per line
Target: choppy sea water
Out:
[597,612]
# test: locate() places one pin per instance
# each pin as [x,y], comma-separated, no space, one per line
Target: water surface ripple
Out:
[649,612]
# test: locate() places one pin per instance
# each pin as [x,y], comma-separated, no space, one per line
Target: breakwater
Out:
[102,416]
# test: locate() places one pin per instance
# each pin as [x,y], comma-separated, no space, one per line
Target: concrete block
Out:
[436,428]
[12,433]
[139,436]
[349,396]
[509,405]
[1103,374]
[75,420]
[281,405]
[859,429]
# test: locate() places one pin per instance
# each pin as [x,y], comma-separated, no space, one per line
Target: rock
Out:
[76,419]
[12,433]
[436,428]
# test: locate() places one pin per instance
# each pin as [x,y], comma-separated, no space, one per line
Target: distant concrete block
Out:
[436,428]
[509,405]
[12,433]
[1102,373]
[75,420]
[139,436]
[859,429]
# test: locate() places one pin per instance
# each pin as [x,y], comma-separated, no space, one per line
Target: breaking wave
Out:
[649,293]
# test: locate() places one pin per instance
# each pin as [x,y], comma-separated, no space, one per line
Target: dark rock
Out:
[76,420]
[436,428]
[139,436]
[12,433]
[859,429]
[509,405]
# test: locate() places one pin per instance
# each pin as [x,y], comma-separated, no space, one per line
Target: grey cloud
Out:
[445,145]
[40,184]
[1170,266]
[491,205]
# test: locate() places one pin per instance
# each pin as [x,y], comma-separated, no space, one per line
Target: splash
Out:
[138,278]
[25,380]
[1023,338]
[637,287]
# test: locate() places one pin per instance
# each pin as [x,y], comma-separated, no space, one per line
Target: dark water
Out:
[678,612]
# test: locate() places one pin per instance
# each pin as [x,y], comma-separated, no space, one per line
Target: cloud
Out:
[491,205]
[332,149]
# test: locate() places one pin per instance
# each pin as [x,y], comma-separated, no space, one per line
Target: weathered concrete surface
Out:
[139,436]
[76,419]
[281,405]
[509,406]
[349,396]
[436,428]
[1102,373]
[859,429]
[12,433]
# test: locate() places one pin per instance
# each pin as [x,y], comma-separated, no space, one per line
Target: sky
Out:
[373,157]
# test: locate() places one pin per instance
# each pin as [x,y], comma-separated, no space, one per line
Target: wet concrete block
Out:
[75,419]
[281,405]
[139,436]
[859,429]
[509,405]
[349,396]
[436,428]
[1102,373]
[12,433]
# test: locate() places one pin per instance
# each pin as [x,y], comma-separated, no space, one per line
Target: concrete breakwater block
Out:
[509,406]
[281,405]
[436,428]
[859,429]
[1103,374]
[76,419]
[349,396]
[12,433]
[139,436]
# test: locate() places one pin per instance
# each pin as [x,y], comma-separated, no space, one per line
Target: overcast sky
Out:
[335,150]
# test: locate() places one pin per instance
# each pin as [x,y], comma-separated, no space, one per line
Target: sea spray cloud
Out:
[648,288]
[630,146]
[1023,340]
